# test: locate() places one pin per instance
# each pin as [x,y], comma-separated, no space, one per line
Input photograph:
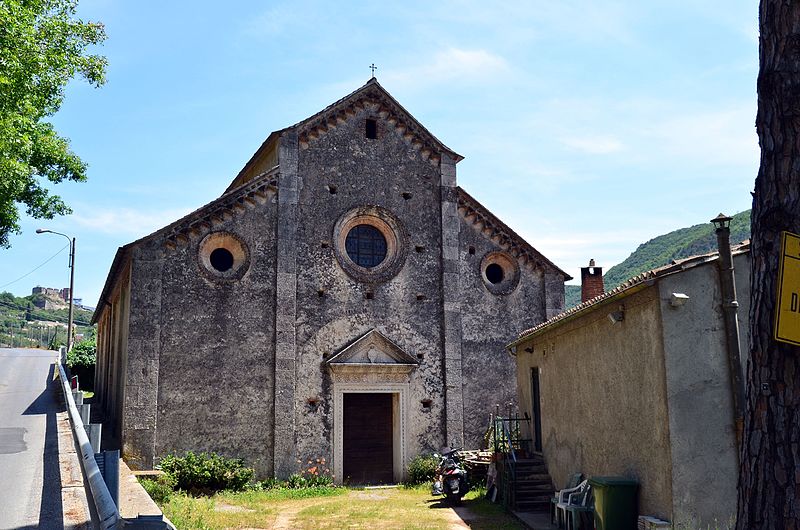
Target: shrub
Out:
[159,489]
[206,472]
[296,481]
[421,469]
[81,360]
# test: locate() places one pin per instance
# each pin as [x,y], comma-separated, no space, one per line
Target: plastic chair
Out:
[571,502]
[574,480]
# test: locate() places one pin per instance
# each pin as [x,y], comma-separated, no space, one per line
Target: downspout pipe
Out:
[730,309]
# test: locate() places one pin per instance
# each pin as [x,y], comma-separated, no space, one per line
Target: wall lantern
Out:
[678,299]
[618,315]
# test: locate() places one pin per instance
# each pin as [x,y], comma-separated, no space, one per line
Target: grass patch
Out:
[408,508]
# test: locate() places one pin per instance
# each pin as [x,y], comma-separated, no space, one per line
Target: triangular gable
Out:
[371,95]
[388,108]
[372,349]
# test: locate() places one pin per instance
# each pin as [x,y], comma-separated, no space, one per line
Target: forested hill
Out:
[659,251]
[24,325]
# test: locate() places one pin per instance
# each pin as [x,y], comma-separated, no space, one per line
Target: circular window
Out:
[494,273]
[223,255]
[500,272]
[370,244]
[366,246]
[221,259]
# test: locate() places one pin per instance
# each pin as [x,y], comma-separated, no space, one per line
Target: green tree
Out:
[42,47]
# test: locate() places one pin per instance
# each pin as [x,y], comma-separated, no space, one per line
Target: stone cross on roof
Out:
[373,68]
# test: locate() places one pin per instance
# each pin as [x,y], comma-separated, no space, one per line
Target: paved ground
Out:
[31,478]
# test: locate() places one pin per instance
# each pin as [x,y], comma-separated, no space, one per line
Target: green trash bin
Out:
[615,503]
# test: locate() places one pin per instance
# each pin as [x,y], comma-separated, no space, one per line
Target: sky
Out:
[589,127]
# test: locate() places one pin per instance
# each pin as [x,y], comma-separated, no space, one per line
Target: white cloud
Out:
[723,136]
[594,145]
[274,21]
[450,65]
[127,221]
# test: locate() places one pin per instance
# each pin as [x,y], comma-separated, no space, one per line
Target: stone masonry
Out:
[244,327]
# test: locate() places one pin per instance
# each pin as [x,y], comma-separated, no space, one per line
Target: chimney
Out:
[591,281]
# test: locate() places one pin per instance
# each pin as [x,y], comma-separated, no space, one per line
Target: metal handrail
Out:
[107,511]
[507,434]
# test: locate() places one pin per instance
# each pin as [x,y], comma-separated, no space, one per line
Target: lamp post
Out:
[71,278]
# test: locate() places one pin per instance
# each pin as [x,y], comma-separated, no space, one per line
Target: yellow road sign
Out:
[787,320]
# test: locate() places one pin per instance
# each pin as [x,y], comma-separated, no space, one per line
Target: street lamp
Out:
[71,278]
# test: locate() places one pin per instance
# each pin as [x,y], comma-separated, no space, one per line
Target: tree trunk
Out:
[769,478]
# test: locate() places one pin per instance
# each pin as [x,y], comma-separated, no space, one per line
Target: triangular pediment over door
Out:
[372,352]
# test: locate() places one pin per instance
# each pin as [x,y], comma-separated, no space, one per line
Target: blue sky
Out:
[587,126]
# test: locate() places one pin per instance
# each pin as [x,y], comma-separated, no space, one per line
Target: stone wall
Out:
[334,308]
[217,346]
[490,320]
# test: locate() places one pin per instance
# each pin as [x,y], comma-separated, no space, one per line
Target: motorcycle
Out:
[451,477]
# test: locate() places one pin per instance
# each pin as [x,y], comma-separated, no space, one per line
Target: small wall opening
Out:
[371,130]
[494,273]
[221,259]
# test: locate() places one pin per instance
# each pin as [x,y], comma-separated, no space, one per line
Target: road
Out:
[30,481]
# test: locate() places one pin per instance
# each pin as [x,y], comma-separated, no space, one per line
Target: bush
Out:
[422,469]
[81,360]
[206,472]
[160,489]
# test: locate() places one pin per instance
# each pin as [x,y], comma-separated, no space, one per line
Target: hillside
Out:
[24,325]
[661,250]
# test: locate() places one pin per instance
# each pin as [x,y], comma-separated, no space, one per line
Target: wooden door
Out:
[368,449]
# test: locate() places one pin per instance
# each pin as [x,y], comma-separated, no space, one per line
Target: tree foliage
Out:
[42,47]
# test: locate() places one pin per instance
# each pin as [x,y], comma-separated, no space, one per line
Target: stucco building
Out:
[343,298]
[636,382]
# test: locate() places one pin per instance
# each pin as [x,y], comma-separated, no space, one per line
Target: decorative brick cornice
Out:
[494,229]
[258,191]
[374,98]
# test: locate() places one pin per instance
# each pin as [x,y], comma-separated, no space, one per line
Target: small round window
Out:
[370,244]
[500,272]
[366,246]
[221,259]
[494,273]
[223,255]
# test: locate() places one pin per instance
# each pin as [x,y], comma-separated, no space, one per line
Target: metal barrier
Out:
[104,504]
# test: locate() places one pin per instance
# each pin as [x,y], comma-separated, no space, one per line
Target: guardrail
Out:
[107,510]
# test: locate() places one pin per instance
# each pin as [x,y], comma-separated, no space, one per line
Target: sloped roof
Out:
[626,288]
[372,91]
[202,219]
[516,244]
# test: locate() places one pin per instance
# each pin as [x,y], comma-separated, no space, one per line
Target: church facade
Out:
[343,299]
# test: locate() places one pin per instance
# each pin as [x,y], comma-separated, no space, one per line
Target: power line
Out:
[45,262]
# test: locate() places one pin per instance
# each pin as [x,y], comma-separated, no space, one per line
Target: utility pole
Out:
[71,279]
